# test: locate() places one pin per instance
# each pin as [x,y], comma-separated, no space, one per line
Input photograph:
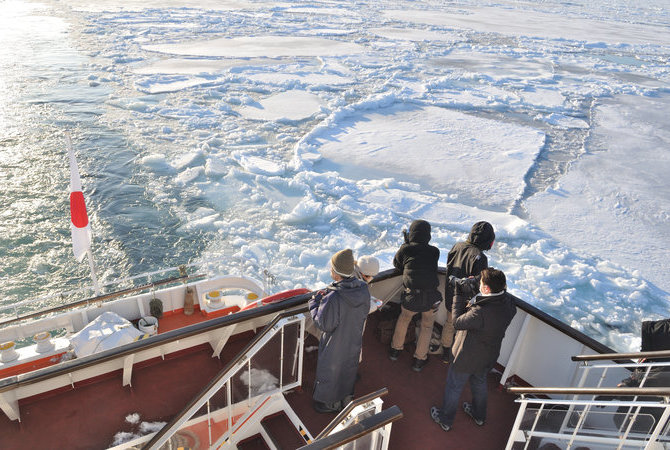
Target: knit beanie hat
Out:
[342,263]
[368,265]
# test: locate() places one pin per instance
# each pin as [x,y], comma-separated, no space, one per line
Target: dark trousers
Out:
[452,394]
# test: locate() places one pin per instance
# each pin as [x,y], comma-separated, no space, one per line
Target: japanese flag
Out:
[81,229]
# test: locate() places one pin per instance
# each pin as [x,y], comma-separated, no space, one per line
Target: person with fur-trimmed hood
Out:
[465,259]
[418,261]
[339,311]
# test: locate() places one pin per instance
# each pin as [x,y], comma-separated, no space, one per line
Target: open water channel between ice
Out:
[274,134]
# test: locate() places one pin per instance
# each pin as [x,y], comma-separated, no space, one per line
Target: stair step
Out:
[255,442]
[282,431]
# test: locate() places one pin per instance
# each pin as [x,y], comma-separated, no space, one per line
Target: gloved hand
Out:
[318,295]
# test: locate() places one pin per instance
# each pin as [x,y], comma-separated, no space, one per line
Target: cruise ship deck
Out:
[161,388]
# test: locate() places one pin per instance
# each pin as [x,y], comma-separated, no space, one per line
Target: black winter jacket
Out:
[480,326]
[418,262]
[467,259]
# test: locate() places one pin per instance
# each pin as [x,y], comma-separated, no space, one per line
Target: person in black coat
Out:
[418,262]
[481,326]
[465,259]
[339,312]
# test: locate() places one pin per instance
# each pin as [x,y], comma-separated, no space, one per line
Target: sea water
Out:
[274,134]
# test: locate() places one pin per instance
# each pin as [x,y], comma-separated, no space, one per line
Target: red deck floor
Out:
[414,393]
[88,416]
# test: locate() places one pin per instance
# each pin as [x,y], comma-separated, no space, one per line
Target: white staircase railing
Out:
[361,424]
[250,423]
[354,413]
[598,414]
[272,365]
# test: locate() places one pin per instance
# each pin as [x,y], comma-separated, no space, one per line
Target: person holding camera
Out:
[418,261]
[339,311]
[465,259]
[480,328]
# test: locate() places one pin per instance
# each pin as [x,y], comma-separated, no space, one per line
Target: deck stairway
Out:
[244,407]
[596,414]
[279,430]
[361,421]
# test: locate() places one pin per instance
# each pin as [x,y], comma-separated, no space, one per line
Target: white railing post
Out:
[249,378]
[644,379]
[582,418]
[590,428]
[532,429]
[602,377]
[229,392]
[510,367]
[662,422]
[281,360]
[209,422]
[517,424]
[571,408]
[300,349]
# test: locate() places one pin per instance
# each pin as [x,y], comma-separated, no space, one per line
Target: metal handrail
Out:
[622,391]
[526,307]
[620,356]
[628,365]
[229,366]
[357,430]
[577,433]
[154,341]
[122,280]
[205,262]
[103,297]
[345,412]
[604,400]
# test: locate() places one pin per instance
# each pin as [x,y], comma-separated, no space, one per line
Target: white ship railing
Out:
[374,435]
[231,408]
[69,373]
[210,267]
[598,417]
[234,397]
[371,432]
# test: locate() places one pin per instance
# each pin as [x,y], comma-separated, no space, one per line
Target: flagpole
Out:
[94,277]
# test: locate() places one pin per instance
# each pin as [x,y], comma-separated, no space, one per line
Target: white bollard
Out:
[43,341]
[8,352]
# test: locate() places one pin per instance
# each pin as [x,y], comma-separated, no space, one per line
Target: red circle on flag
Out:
[78,209]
